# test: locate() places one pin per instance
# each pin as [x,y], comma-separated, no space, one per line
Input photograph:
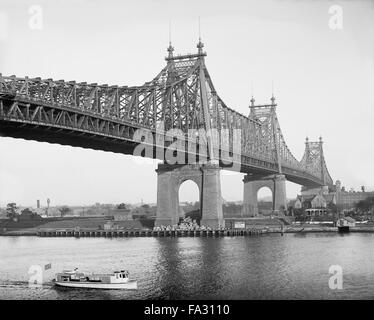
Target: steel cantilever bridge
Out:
[182,96]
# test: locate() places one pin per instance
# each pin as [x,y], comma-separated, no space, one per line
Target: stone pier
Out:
[207,178]
[252,183]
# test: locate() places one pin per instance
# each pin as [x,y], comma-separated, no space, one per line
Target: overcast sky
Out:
[323,82]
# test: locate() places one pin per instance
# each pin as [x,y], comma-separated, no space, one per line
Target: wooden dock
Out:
[147,233]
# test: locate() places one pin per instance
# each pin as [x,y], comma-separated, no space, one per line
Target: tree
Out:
[229,208]
[290,210]
[122,206]
[27,211]
[365,205]
[64,211]
[282,209]
[332,207]
[11,211]
[300,215]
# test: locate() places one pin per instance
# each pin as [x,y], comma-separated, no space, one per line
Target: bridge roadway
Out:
[108,134]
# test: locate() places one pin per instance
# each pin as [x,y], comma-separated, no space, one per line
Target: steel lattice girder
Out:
[175,97]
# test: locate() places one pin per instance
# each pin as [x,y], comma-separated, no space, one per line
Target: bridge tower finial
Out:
[272,94]
[252,102]
[170,48]
[252,99]
[273,100]
[200,45]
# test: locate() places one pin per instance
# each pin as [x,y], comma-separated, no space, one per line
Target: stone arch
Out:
[265,191]
[263,188]
[196,181]
[196,178]
[252,185]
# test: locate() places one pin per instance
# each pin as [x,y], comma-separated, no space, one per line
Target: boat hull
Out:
[130,285]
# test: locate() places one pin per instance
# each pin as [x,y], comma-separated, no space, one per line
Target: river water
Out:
[293,266]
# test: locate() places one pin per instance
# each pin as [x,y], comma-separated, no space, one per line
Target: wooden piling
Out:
[150,233]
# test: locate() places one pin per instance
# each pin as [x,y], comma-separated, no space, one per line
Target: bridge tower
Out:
[314,161]
[205,174]
[266,115]
[207,178]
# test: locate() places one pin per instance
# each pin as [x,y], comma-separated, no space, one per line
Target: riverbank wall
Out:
[148,233]
[139,232]
[160,233]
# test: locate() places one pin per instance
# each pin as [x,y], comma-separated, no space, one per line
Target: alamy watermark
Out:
[336,280]
[35,276]
[336,18]
[36,273]
[196,146]
[35,21]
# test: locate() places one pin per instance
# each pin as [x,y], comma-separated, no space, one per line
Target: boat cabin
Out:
[116,277]
[70,275]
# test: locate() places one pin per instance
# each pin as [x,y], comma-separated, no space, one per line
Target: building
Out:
[298,204]
[316,201]
[316,212]
[146,211]
[346,222]
[121,214]
[319,198]
[316,205]
[346,200]
[109,225]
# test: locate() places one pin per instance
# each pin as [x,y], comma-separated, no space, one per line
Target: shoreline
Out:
[185,233]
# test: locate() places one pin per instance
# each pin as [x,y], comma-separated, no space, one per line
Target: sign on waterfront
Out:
[239,225]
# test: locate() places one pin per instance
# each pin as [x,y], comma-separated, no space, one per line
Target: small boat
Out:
[75,279]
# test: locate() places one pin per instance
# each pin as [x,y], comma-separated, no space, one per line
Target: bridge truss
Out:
[181,97]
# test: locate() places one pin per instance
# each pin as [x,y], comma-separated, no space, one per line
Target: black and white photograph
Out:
[159,150]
